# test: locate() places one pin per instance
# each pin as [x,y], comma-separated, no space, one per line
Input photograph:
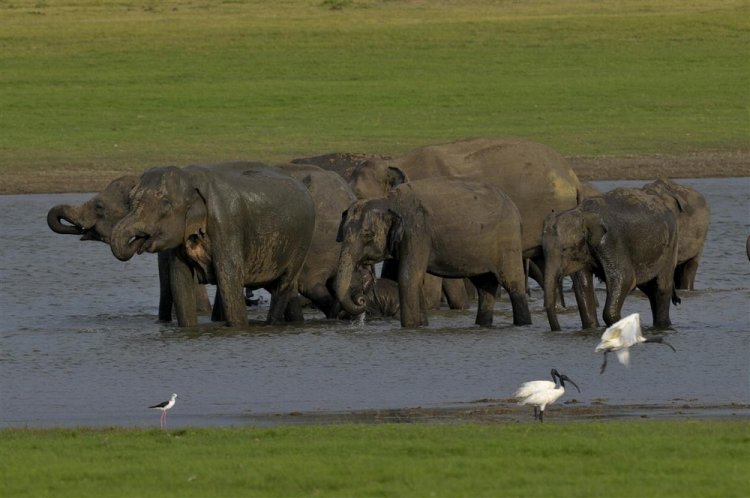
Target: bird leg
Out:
[604,365]
[660,340]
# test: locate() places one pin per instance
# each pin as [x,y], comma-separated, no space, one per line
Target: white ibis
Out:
[621,336]
[541,393]
[164,406]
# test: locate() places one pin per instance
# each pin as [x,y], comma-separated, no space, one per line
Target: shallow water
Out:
[80,344]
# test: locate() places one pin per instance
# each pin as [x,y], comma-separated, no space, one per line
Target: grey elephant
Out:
[627,238]
[693,218]
[418,225]
[382,298]
[331,196]
[232,229]
[536,178]
[94,220]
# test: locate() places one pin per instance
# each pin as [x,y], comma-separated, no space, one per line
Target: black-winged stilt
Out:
[623,334]
[540,393]
[164,406]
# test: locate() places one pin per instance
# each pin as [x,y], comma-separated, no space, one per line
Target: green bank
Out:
[640,458]
[123,85]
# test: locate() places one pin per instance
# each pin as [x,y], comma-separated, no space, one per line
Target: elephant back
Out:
[536,177]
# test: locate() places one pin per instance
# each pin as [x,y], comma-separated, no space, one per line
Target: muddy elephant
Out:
[693,218]
[331,195]
[231,228]
[94,220]
[382,298]
[627,238]
[419,226]
[536,178]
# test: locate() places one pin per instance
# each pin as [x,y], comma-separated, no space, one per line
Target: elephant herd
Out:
[488,211]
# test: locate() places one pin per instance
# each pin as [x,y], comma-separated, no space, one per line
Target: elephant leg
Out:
[618,289]
[684,274]
[203,304]
[230,288]
[293,311]
[455,293]
[165,290]
[284,290]
[486,285]
[181,280]
[321,298]
[583,287]
[660,298]
[432,290]
[513,279]
[536,270]
[411,299]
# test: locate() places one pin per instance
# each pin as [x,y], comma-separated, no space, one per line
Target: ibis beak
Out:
[568,379]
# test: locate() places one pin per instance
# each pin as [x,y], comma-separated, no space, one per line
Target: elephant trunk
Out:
[67,213]
[128,237]
[342,286]
[551,280]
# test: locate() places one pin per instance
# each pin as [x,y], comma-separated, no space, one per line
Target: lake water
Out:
[80,345]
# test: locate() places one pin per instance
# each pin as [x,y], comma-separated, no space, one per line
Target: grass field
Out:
[123,85]
[687,458]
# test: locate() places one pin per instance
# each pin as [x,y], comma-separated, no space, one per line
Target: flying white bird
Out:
[541,393]
[621,336]
[164,406]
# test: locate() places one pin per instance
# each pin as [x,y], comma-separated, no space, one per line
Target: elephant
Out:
[331,196]
[419,225]
[234,225]
[535,177]
[382,298]
[94,220]
[627,238]
[693,219]
[341,163]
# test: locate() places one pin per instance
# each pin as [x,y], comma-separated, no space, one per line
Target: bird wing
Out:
[531,387]
[623,355]
[610,339]
[543,398]
[160,405]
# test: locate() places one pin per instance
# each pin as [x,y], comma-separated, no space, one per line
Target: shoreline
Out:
[588,168]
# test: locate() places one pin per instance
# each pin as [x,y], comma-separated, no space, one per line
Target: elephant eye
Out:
[99,207]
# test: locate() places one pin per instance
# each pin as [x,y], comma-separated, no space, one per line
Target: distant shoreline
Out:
[645,167]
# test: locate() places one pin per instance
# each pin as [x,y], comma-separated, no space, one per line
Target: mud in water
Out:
[80,345]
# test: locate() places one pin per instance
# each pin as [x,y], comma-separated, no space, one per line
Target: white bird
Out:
[541,393]
[621,336]
[164,406]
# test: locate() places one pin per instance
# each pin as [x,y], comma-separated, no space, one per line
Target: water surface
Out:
[80,345]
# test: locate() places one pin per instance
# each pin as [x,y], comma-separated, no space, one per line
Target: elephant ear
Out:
[595,228]
[196,217]
[395,232]
[395,177]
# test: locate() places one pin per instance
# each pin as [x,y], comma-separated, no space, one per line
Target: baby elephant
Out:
[446,227]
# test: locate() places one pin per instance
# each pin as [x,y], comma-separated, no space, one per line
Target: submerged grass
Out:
[125,85]
[677,458]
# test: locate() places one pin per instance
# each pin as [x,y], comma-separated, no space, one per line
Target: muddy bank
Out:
[698,165]
[505,412]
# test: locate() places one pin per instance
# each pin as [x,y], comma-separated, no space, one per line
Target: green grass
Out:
[679,458]
[125,85]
